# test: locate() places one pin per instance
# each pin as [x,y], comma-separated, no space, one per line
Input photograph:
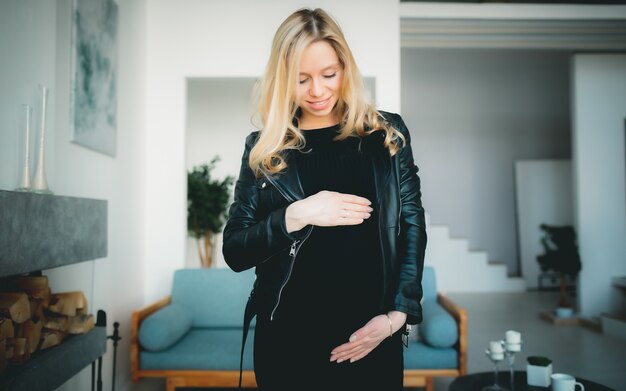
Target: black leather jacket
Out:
[256,236]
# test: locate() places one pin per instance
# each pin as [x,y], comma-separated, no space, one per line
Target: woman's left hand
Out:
[368,337]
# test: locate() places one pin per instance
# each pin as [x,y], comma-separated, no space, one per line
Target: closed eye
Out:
[325,76]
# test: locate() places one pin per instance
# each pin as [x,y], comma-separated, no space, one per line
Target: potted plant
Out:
[538,371]
[561,256]
[207,203]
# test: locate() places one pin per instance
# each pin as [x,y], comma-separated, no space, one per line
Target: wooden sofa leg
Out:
[170,384]
[429,384]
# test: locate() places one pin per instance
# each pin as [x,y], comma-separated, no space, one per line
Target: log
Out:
[55,322]
[84,310]
[36,309]
[30,330]
[15,305]
[51,338]
[21,350]
[58,306]
[66,303]
[6,328]
[35,286]
[45,302]
[80,324]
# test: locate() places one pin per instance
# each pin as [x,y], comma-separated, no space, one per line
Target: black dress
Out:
[335,287]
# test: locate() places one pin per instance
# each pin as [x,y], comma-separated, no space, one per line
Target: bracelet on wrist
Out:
[390,325]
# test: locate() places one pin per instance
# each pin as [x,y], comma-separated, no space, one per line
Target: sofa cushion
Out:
[215,297]
[438,329]
[203,348]
[164,327]
[421,356]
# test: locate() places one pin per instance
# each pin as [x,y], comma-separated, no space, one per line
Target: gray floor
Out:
[573,349]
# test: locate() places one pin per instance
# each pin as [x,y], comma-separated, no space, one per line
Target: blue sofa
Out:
[192,338]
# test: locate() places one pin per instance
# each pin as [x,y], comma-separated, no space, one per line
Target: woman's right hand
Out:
[327,208]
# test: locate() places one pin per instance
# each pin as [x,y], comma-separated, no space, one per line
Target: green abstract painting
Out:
[93,103]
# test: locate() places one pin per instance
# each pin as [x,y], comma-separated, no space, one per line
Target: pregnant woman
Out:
[327,208]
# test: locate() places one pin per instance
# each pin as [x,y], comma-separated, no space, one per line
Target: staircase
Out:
[461,270]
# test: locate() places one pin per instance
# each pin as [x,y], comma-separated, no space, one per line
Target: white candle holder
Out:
[25,184]
[496,355]
[40,184]
[510,348]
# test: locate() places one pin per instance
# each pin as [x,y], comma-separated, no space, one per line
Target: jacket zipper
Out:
[293,251]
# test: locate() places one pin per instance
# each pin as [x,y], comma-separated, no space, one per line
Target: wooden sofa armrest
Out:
[135,321]
[460,316]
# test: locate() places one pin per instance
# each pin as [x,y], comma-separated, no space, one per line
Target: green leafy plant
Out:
[539,361]
[561,255]
[207,206]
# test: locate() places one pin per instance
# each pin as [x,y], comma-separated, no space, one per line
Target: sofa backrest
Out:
[215,297]
[429,284]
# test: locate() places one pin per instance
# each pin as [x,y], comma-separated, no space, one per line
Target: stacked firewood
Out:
[33,318]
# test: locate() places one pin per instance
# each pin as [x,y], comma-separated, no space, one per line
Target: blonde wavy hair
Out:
[274,95]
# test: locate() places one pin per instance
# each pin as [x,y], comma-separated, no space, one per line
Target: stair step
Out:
[454,260]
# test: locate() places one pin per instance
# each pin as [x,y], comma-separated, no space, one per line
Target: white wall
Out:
[473,113]
[599,120]
[27,47]
[197,40]
[543,191]
[35,47]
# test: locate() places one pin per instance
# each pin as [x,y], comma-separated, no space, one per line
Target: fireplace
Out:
[39,232]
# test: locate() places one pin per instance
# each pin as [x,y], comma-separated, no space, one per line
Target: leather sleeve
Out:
[412,239]
[246,241]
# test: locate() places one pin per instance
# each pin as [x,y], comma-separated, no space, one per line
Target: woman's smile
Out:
[319,105]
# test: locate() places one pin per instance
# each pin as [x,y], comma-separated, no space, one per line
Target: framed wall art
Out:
[93,105]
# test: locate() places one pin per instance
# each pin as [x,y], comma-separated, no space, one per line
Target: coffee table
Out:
[476,381]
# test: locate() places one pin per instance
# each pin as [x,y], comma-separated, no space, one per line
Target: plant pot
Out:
[538,375]
[564,312]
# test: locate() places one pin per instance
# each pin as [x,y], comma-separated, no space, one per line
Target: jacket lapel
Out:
[288,180]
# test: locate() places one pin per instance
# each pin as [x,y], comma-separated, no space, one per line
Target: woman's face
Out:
[319,85]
